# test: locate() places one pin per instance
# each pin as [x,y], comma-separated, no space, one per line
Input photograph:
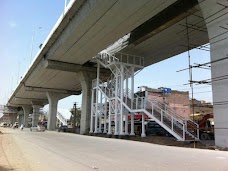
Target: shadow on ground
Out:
[2,168]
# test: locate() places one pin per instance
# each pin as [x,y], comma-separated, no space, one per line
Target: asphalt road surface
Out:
[53,151]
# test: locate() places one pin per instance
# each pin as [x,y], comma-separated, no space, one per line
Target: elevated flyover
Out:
[155,29]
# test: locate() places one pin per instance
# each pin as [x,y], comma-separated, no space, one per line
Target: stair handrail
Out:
[128,57]
[106,60]
[168,108]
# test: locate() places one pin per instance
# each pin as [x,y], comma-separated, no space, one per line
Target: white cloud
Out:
[12,24]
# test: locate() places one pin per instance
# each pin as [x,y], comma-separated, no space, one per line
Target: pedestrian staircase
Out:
[123,99]
[61,118]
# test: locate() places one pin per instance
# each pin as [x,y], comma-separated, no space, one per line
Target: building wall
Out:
[179,101]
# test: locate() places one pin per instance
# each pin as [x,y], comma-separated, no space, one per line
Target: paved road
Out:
[65,152]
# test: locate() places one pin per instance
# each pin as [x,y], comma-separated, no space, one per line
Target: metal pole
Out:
[132,100]
[105,116]
[143,126]
[101,112]
[91,119]
[121,97]
[116,101]
[75,110]
[109,119]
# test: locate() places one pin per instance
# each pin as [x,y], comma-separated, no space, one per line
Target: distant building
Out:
[177,100]
[201,107]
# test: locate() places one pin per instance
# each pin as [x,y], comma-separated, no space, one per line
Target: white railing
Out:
[129,59]
[167,108]
[106,58]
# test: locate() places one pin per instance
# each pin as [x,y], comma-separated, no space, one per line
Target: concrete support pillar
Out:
[14,118]
[27,110]
[92,113]
[11,118]
[86,84]
[20,118]
[53,99]
[35,115]
[219,49]
[143,126]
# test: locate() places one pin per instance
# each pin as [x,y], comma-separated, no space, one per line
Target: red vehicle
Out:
[206,126]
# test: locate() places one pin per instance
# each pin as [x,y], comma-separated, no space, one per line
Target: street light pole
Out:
[33,37]
[74,120]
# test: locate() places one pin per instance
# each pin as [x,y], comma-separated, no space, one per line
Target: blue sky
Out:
[26,19]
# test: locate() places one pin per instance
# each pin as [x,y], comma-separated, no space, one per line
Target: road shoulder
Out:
[12,158]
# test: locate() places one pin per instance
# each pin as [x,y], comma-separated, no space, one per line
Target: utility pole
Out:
[74,120]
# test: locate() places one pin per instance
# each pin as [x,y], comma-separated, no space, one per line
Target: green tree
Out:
[78,115]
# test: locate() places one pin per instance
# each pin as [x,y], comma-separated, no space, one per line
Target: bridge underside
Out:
[154,29]
[157,31]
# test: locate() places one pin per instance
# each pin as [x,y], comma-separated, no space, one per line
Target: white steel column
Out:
[96,114]
[109,119]
[126,124]
[143,125]
[91,120]
[121,97]
[100,113]
[116,101]
[126,115]
[132,100]
[105,116]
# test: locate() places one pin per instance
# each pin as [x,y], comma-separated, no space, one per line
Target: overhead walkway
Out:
[113,97]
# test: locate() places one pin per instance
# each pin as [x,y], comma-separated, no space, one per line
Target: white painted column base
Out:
[132,134]
[143,135]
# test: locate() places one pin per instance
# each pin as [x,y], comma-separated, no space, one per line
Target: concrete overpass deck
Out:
[88,27]
[156,29]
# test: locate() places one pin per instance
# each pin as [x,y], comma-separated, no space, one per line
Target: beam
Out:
[44,89]
[71,67]
[163,20]
[30,99]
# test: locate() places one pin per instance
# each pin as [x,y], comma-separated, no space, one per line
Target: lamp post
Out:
[33,37]
[74,120]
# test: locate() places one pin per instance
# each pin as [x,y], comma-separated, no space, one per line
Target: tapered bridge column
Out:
[53,99]
[27,110]
[86,84]
[216,19]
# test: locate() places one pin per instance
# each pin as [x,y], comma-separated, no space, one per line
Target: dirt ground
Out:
[11,157]
[171,141]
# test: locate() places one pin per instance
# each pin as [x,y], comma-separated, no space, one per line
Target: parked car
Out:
[153,128]
[38,128]
[63,128]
